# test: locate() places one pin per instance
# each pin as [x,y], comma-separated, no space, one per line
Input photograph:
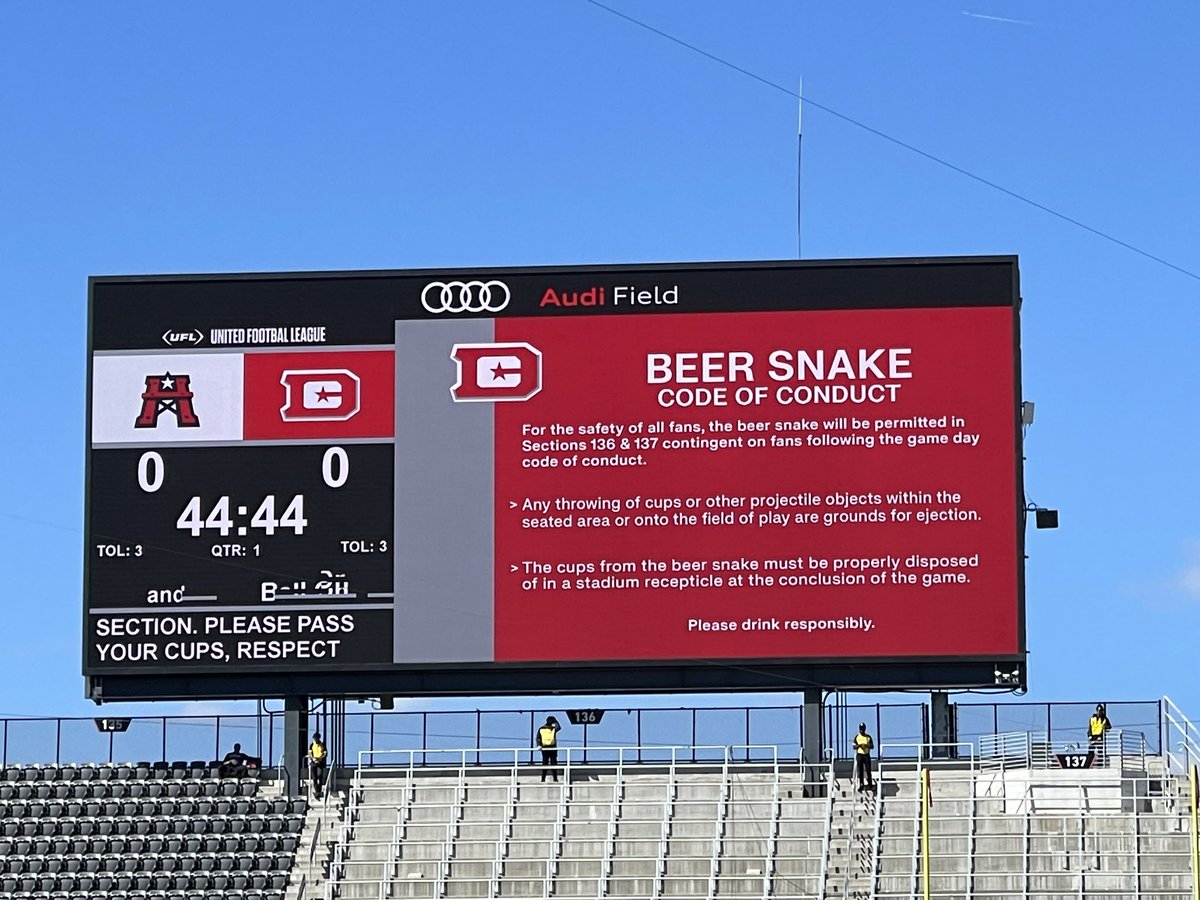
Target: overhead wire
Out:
[925,154]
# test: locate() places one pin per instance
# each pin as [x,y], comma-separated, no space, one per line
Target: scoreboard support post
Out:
[295,741]
[811,740]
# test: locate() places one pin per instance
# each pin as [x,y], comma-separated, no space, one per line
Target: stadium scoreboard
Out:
[659,477]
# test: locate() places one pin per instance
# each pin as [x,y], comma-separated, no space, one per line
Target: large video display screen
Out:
[661,466]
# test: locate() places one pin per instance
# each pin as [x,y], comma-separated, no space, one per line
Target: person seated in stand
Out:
[235,764]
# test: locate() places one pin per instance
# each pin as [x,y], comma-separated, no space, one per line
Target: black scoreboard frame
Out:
[113,310]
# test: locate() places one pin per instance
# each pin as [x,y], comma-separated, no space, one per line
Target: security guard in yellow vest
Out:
[547,741]
[1098,727]
[863,745]
[318,762]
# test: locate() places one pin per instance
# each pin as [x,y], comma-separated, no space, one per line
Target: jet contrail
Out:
[997,18]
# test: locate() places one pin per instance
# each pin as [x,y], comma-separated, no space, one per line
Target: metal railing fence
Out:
[62,739]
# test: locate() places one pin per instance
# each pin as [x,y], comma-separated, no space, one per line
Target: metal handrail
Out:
[1188,741]
[830,787]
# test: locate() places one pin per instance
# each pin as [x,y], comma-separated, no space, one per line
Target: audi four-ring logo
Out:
[465,296]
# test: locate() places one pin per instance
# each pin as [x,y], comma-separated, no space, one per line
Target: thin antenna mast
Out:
[799,170]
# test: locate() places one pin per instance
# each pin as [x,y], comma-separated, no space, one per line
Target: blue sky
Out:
[152,138]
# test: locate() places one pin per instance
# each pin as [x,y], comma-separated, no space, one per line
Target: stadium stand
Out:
[1030,814]
[996,818]
[143,831]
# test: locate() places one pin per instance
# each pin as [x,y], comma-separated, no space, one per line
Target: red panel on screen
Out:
[342,394]
[847,490]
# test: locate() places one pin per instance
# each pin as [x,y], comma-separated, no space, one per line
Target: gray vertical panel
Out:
[444,500]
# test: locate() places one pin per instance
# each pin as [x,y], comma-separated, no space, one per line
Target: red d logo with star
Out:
[495,372]
[319,395]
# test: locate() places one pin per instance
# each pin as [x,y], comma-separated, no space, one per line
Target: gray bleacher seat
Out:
[154,788]
[123,770]
[252,843]
[223,806]
[62,790]
[8,791]
[204,807]
[24,790]
[229,787]
[193,843]
[173,843]
[142,769]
